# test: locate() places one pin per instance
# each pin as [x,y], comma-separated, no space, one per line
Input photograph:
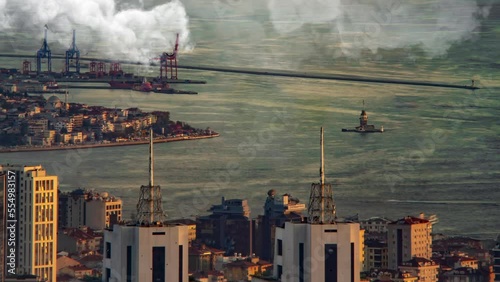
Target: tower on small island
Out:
[364,127]
[146,249]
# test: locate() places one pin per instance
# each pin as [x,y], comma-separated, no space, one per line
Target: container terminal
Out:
[98,71]
[110,71]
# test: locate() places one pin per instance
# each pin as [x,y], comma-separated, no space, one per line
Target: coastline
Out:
[111,144]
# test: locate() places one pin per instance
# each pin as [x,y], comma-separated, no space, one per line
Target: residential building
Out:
[277,211]
[464,274]
[89,208]
[35,201]
[243,270]
[376,255]
[425,269]
[323,249]
[79,241]
[229,227]
[203,258]
[191,224]
[407,238]
[496,260]
[375,224]
[102,211]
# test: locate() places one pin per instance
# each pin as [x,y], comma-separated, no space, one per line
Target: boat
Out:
[164,88]
[364,127]
[145,86]
[51,85]
[115,84]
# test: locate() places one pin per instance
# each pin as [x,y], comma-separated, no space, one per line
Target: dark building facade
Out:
[277,211]
[228,228]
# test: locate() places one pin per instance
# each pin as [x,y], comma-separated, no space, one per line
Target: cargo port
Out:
[98,72]
[110,71]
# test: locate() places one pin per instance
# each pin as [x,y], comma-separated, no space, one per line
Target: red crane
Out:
[169,61]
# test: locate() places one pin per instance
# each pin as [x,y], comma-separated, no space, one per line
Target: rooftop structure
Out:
[321,249]
[147,249]
[149,207]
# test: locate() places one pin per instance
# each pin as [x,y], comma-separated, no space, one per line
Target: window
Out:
[108,250]
[280,247]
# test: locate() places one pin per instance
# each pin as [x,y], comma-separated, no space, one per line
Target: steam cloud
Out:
[127,30]
[382,24]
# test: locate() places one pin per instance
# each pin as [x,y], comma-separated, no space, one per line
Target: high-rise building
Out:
[29,228]
[407,238]
[147,249]
[321,249]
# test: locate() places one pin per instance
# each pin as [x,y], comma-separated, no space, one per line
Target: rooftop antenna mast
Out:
[321,208]
[149,207]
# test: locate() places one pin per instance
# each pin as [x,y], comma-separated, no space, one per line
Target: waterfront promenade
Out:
[99,145]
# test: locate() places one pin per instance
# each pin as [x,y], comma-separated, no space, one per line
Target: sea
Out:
[439,154]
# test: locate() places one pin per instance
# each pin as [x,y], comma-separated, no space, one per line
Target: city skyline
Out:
[437,155]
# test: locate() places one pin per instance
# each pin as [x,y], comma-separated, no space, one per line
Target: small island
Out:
[33,123]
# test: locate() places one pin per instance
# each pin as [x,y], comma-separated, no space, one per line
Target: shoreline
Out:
[111,144]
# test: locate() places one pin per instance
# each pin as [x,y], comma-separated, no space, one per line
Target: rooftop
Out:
[409,220]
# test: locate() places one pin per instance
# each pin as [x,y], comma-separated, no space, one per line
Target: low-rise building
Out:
[244,269]
[203,258]
[79,240]
[425,269]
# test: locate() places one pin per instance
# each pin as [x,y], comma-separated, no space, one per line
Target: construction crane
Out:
[44,52]
[169,61]
[72,54]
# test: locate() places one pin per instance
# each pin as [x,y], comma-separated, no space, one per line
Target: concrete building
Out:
[191,224]
[203,258]
[376,255]
[496,260]
[147,249]
[34,206]
[375,224]
[79,241]
[425,269]
[407,238]
[89,208]
[243,270]
[322,249]
[145,253]
[228,228]
[72,208]
[277,211]
[102,211]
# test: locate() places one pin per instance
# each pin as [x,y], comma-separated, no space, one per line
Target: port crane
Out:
[169,61]
[44,52]
[72,54]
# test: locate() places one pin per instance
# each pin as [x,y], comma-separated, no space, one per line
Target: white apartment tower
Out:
[147,249]
[408,238]
[34,203]
[322,249]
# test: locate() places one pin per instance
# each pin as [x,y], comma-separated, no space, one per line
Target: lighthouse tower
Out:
[363,118]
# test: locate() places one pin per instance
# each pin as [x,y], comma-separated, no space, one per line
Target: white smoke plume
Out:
[382,24]
[124,32]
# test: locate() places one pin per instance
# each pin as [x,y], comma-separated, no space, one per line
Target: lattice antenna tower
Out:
[321,208]
[149,207]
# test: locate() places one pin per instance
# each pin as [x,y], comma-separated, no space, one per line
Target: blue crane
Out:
[73,53]
[44,52]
